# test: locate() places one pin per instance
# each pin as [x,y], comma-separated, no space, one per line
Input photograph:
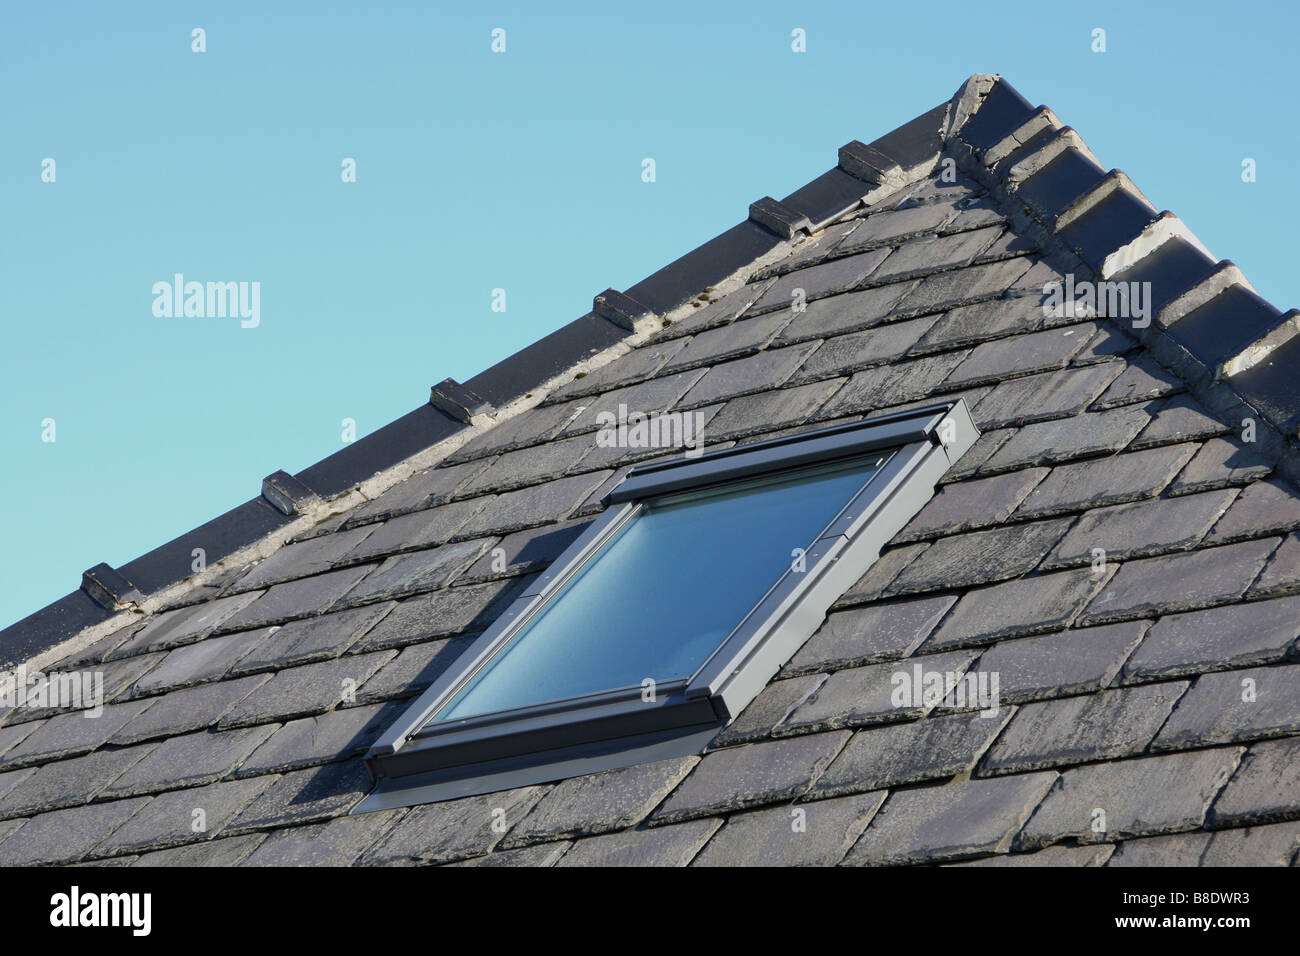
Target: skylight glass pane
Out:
[662,596]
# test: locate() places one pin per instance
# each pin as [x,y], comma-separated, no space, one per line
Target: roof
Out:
[1121,547]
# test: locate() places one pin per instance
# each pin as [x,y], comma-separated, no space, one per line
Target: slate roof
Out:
[1151,703]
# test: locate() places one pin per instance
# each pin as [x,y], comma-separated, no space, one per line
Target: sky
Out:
[478,171]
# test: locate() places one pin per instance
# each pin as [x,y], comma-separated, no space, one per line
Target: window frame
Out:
[418,760]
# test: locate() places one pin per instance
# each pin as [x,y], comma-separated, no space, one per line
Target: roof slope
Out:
[1111,548]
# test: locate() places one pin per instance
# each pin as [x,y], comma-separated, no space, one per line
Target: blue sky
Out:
[477,171]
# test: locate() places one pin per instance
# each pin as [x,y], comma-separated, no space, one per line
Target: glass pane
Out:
[662,596]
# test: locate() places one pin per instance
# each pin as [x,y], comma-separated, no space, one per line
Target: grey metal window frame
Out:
[417,761]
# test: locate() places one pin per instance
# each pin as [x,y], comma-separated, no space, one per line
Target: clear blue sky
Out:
[478,171]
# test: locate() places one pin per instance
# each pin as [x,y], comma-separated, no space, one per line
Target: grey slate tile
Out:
[308,741]
[980,557]
[1266,786]
[336,843]
[599,802]
[922,256]
[1262,508]
[417,530]
[182,625]
[227,851]
[65,836]
[1272,845]
[542,855]
[884,385]
[634,366]
[866,635]
[1020,354]
[881,574]
[418,571]
[1179,582]
[1029,605]
[950,822]
[719,311]
[1281,574]
[1098,482]
[413,669]
[530,550]
[528,427]
[209,659]
[1141,381]
[1146,796]
[979,322]
[966,505]
[761,412]
[174,818]
[312,639]
[67,783]
[305,796]
[742,376]
[897,754]
[539,504]
[1099,726]
[751,775]
[306,690]
[866,695]
[1232,636]
[440,613]
[189,760]
[1066,439]
[73,733]
[838,275]
[729,341]
[1078,661]
[856,350]
[980,452]
[1053,856]
[13,734]
[1179,419]
[839,314]
[656,846]
[810,834]
[453,829]
[1220,463]
[424,489]
[302,560]
[773,704]
[1033,398]
[648,398]
[300,598]
[1235,706]
[1177,849]
[193,708]
[891,225]
[1140,528]
[962,286]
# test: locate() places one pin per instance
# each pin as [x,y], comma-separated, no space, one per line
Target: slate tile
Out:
[773,704]
[730,341]
[657,846]
[968,464]
[209,659]
[1100,726]
[1098,482]
[181,711]
[1266,786]
[867,635]
[897,754]
[751,775]
[227,851]
[1232,636]
[599,802]
[751,414]
[307,690]
[1029,605]
[441,613]
[1105,343]
[1177,849]
[648,398]
[301,598]
[336,843]
[182,625]
[312,639]
[1142,380]
[13,734]
[1179,419]
[742,376]
[866,695]
[1066,439]
[1282,573]
[1034,398]
[719,311]
[67,783]
[538,504]
[1179,582]
[856,350]
[1235,706]
[309,741]
[418,530]
[305,796]
[1053,856]
[838,275]
[405,574]
[424,489]
[189,760]
[923,256]
[1141,528]
[1020,354]
[453,829]
[881,574]
[980,557]
[531,550]
[528,427]
[73,733]
[544,855]
[969,325]
[65,836]
[891,225]
[815,248]
[885,385]
[1219,463]
[840,314]
[171,819]
[413,669]
[634,366]
[962,286]
[1078,661]
[1273,845]
[302,560]
[811,834]
[1262,508]
[966,505]
[1120,799]
[950,822]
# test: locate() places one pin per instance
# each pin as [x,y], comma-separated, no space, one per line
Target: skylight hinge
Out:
[782,220]
[287,494]
[623,310]
[109,588]
[458,401]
